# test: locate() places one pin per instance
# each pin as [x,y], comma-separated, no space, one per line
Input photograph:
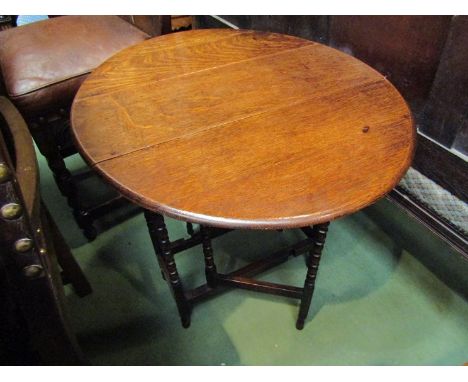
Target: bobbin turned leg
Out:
[46,141]
[319,234]
[210,267]
[162,247]
[190,230]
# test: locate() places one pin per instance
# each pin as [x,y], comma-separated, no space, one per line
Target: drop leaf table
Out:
[236,129]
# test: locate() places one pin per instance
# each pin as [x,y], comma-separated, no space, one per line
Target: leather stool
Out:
[42,65]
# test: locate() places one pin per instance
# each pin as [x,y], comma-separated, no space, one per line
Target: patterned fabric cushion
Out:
[436,198]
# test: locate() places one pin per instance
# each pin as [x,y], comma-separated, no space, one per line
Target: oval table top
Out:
[243,129]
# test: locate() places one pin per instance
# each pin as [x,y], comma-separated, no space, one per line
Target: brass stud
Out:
[38,230]
[4,172]
[23,245]
[42,251]
[33,271]
[11,211]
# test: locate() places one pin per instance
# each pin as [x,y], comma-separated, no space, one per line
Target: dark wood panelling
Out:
[153,25]
[444,168]
[309,27]
[204,22]
[445,116]
[406,49]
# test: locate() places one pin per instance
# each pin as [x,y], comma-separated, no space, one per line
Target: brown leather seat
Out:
[44,63]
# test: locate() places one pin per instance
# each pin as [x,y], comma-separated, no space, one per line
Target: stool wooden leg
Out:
[210,266]
[46,142]
[190,230]
[48,147]
[162,247]
[319,234]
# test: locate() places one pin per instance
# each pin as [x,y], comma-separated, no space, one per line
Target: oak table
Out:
[242,129]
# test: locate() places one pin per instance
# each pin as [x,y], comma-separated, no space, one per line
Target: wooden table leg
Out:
[319,234]
[210,267]
[165,251]
[162,247]
[190,230]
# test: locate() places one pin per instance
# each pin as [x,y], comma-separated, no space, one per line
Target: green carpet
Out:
[388,293]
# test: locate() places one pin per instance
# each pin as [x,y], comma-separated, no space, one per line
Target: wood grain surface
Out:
[243,129]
